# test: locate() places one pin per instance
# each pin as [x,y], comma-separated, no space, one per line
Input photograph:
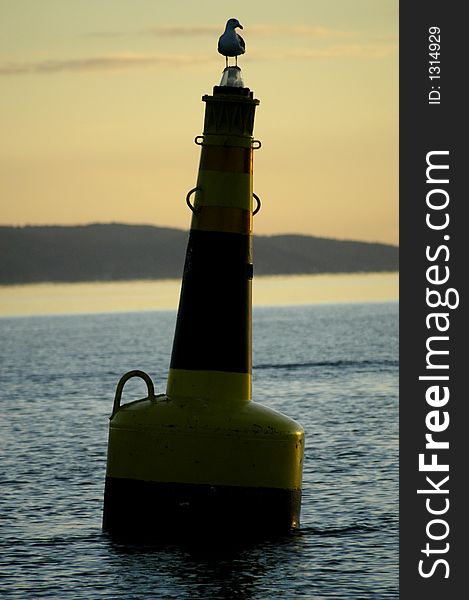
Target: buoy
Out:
[203,459]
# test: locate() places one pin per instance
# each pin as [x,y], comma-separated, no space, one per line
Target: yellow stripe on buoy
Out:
[206,442]
[210,385]
[218,188]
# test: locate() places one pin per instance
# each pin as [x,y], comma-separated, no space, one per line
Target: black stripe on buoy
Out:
[161,511]
[213,330]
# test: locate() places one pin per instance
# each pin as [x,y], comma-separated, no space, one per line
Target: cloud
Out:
[182,30]
[104,34]
[125,61]
[102,63]
[298,31]
[263,30]
[366,51]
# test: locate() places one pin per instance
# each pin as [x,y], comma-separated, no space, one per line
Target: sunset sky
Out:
[100,101]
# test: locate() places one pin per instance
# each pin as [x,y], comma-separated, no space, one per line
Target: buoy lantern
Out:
[203,459]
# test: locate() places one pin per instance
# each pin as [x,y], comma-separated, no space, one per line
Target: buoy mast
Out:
[211,355]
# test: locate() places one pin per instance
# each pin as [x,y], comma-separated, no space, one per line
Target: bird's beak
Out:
[240,26]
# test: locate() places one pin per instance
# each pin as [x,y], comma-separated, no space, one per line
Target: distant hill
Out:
[107,252]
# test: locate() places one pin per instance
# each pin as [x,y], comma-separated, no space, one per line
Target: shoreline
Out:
[37,299]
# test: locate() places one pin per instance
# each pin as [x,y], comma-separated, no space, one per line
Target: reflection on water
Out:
[132,296]
[202,572]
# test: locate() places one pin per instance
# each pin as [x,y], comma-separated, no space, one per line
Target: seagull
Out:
[230,43]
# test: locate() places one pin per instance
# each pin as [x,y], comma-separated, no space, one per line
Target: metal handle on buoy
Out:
[258,144]
[197,138]
[258,207]
[123,380]
[188,199]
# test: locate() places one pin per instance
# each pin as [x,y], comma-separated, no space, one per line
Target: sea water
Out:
[332,367]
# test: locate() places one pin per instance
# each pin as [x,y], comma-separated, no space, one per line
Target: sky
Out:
[100,102]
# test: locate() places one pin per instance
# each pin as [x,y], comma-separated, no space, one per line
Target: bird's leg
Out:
[236,58]
[226,62]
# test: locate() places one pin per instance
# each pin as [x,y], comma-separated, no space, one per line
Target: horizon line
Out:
[109,223]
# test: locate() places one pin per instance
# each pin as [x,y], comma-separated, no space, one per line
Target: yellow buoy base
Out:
[185,465]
